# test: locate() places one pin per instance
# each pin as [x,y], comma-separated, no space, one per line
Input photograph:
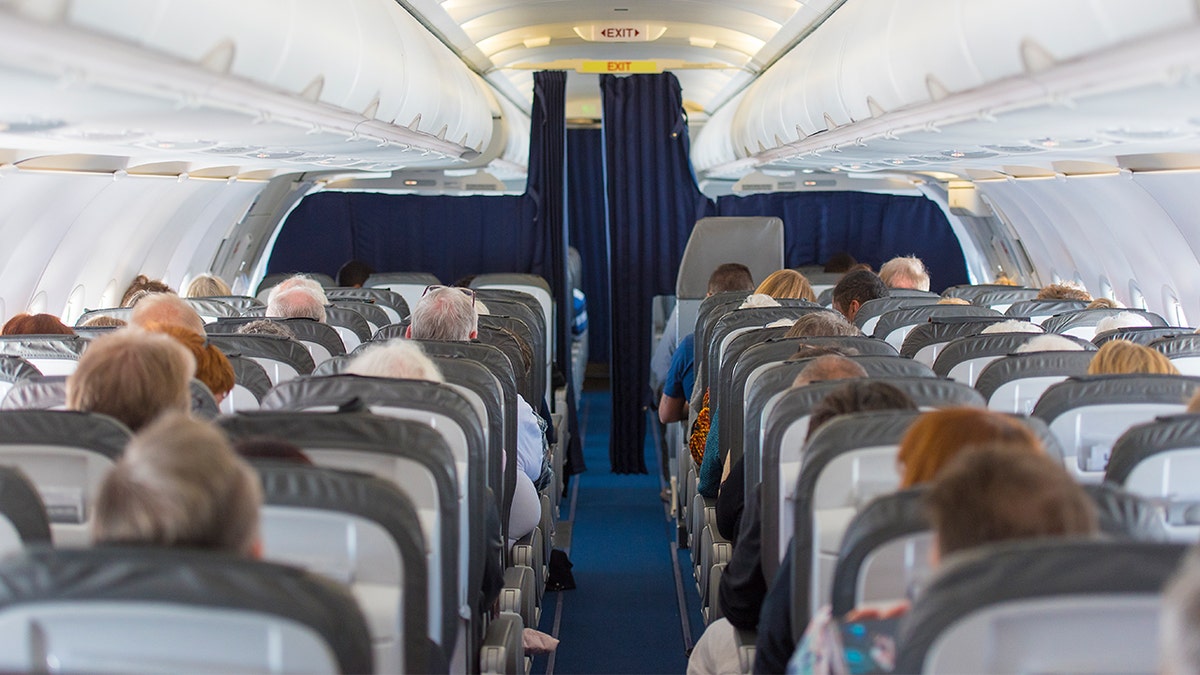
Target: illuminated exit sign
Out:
[620,32]
[626,67]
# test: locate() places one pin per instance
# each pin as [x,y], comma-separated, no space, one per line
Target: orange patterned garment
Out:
[700,432]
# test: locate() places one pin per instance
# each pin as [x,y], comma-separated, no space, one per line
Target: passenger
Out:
[207,285]
[270,448]
[399,359]
[856,288]
[133,376]
[786,284]
[448,313]
[952,301]
[930,444]
[354,274]
[1064,291]
[1005,280]
[1104,303]
[267,327]
[35,324]
[907,272]
[1121,320]
[1011,326]
[839,263]
[1179,633]
[296,303]
[142,286]
[822,324]
[212,366]
[989,493]
[757,300]
[299,281]
[1122,357]
[180,484]
[166,309]
[743,586]
[726,278]
[1049,343]
[104,321]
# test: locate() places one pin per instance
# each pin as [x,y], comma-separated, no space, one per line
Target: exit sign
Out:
[620,32]
[620,67]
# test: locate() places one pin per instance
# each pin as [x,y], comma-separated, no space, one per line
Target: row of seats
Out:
[817,491]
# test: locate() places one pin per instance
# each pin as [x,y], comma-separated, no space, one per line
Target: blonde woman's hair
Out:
[786,284]
[1119,357]
[207,285]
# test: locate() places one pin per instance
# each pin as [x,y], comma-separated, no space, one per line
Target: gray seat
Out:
[884,553]
[282,358]
[895,325]
[1014,383]
[963,359]
[145,610]
[1142,335]
[14,369]
[870,311]
[65,455]
[23,518]
[122,313]
[1039,311]
[709,356]
[408,285]
[533,286]
[406,453]
[359,530]
[1161,460]
[50,393]
[1041,606]
[239,302]
[924,342]
[377,316]
[995,296]
[784,448]
[391,303]
[1082,323]
[50,354]
[251,384]
[1089,413]
[321,340]
[211,309]
[1183,350]
[351,325]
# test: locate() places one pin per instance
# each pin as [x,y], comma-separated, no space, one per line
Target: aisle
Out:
[624,617]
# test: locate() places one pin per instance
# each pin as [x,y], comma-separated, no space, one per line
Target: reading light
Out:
[533,42]
[704,43]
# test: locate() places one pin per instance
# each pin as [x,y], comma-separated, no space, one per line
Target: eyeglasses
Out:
[465,291]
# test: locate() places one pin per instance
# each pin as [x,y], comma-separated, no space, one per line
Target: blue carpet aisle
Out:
[624,616]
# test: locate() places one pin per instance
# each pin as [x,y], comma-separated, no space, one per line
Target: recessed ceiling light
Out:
[704,43]
[533,42]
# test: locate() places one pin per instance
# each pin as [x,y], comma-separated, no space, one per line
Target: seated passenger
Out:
[1179,632]
[1122,357]
[212,366]
[103,321]
[133,376]
[140,287]
[1064,291]
[855,288]
[166,309]
[933,440]
[448,313]
[207,285]
[905,272]
[1121,320]
[952,301]
[299,281]
[296,303]
[1011,326]
[180,484]
[35,324]
[989,493]
[399,359]
[1104,303]
[1049,343]
[822,324]
[727,277]
[267,327]
[839,263]
[743,586]
[786,284]
[354,274]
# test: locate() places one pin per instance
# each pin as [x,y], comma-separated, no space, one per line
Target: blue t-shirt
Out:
[681,376]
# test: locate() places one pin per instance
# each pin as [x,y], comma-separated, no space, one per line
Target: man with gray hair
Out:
[448,313]
[905,272]
[299,281]
[166,309]
[401,359]
[296,302]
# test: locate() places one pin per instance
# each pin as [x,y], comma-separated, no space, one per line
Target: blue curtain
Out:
[585,190]
[871,227]
[653,202]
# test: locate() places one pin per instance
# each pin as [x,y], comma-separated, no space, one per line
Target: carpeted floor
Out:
[624,617]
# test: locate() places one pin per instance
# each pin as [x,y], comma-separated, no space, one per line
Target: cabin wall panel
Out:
[1047,250]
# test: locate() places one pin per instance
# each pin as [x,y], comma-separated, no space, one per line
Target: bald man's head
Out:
[826,368]
[166,309]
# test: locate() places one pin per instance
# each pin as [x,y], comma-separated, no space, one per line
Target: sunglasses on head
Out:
[465,291]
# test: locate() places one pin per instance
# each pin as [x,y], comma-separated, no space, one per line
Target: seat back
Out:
[50,354]
[239,302]
[50,393]
[145,610]
[1014,383]
[733,324]
[376,315]
[14,369]
[1183,350]
[122,313]
[251,384]
[390,302]
[1142,335]
[924,342]
[869,312]
[895,325]
[1039,311]
[359,530]
[282,358]
[1041,606]
[964,358]
[531,285]
[529,348]
[23,518]
[65,455]
[408,285]
[211,310]
[1082,323]
[406,453]
[1089,413]
[993,296]
[822,282]
[1160,460]
[351,326]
